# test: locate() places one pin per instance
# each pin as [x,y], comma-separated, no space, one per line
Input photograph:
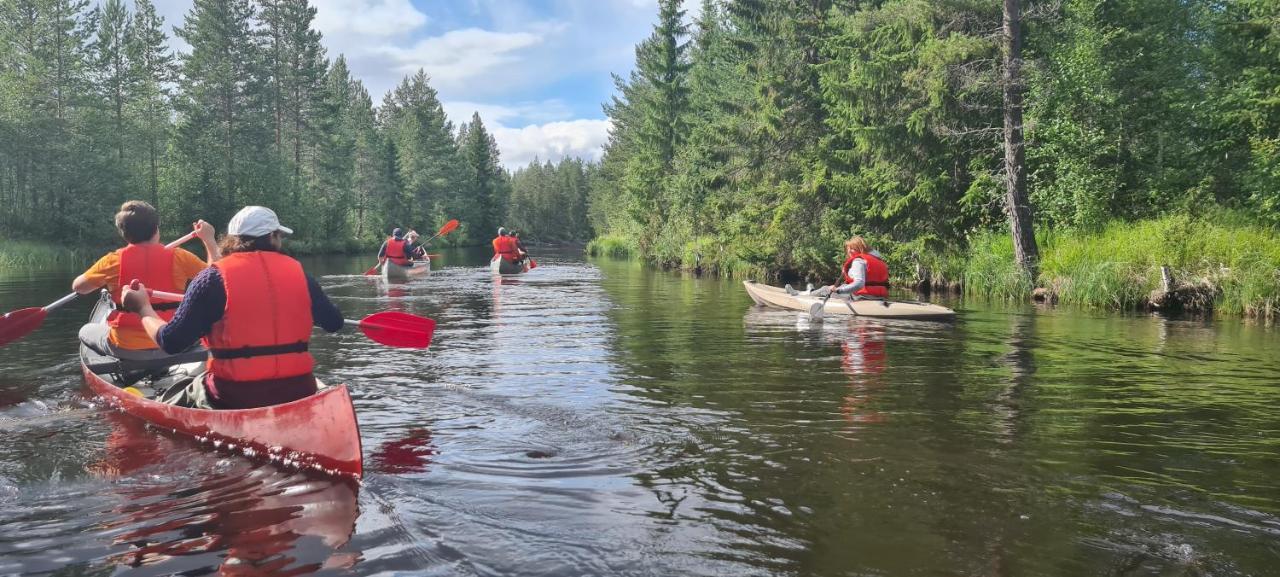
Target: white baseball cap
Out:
[255,221]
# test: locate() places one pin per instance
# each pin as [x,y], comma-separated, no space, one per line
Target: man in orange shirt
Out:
[145,259]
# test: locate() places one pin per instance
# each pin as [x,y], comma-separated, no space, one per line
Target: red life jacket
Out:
[877,281]
[506,246]
[153,265]
[396,252]
[266,328]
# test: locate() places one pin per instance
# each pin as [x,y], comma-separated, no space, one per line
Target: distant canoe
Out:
[765,295]
[500,265]
[395,272]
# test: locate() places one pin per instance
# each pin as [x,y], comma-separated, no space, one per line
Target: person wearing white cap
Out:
[254,309]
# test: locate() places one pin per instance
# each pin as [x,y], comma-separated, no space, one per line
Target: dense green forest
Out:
[95,109]
[758,134]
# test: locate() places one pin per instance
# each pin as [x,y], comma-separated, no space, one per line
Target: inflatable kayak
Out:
[395,272]
[765,295]
[500,265]
[319,432]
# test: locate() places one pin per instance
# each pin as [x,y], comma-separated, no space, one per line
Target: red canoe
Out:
[319,432]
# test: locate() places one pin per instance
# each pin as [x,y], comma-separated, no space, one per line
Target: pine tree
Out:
[426,153]
[114,33]
[479,152]
[151,72]
[223,130]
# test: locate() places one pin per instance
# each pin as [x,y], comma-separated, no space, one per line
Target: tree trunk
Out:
[1024,240]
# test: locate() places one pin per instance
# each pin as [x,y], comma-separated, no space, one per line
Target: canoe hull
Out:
[765,295]
[395,272]
[499,265]
[319,432]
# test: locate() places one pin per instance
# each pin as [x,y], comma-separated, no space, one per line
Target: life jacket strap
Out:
[263,351]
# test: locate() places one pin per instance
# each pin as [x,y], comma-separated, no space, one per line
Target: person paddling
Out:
[145,259]
[515,236]
[254,309]
[505,246]
[412,248]
[864,273]
[395,249]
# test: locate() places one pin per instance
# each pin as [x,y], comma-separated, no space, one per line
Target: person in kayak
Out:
[254,309]
[395,249]
[864,273]
[144,258]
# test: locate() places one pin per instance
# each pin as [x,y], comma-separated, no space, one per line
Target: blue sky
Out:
[536,70]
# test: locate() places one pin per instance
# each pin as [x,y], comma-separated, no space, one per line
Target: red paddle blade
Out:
[397,329]
[19,323]
[371,271]
[448,227]
[533,264]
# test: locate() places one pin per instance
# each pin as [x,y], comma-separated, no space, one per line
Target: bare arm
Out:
[205,231]
[84,286]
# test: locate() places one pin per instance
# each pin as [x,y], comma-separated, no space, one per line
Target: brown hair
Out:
[233,243]
[137,221]
[855,244]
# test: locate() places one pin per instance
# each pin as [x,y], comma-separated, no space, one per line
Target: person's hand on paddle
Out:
[204,230]
[133,298]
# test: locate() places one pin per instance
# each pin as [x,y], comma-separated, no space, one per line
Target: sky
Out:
[537,71]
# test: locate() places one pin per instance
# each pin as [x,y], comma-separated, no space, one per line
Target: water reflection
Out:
[409,454]
[173,508]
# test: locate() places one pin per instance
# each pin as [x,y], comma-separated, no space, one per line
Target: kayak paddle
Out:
[397,329]
[21,322]
[391,328]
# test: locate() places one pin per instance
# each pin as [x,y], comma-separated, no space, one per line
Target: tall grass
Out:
[619,246]
[20,254]
[1119,266]
[990,270]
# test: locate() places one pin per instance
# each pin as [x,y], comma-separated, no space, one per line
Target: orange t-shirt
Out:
[107,273]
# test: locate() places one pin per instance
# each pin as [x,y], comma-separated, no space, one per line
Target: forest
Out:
[753,136]
[96,108]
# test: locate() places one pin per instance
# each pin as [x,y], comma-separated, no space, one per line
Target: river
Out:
[599,417]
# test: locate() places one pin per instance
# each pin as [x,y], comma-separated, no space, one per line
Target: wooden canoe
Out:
[319,432]
[765,295]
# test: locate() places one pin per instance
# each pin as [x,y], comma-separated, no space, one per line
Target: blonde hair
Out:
[855,244]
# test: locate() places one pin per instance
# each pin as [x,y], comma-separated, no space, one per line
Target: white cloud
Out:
[459,56]
[373,18]
[545,130]
[517,113]
[551,141]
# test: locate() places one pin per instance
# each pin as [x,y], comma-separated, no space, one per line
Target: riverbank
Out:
[25,254]
[1223,263]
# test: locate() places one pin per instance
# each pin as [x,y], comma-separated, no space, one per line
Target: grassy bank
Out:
[1234,263]
[23,254]
[618,246]
[1229,262]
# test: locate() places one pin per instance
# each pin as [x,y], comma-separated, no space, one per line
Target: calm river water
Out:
[601,418]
